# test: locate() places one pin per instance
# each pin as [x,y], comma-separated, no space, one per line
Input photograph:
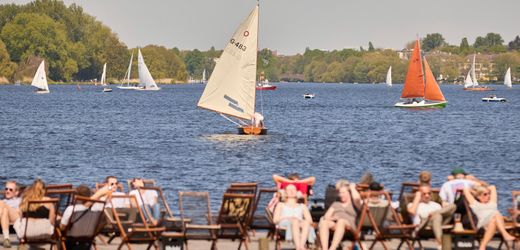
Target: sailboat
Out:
[420,85]
[40,80]
[203,81]
[230,90]
[389,77]
[127,76]
[146,81]
[471,83]
[507,78]
[103,81]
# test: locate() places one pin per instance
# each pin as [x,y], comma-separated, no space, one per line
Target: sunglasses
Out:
[485,194]
[9,189]
[427,193]
[114,184]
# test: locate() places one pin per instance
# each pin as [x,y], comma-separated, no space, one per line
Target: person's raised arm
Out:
[278,180]
[493,193]
[356,197]
[412,209]
[309,180]
[469,196]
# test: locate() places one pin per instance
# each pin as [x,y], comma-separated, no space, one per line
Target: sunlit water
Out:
[82,136]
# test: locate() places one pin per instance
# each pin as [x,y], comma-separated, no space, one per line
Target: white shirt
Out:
[117,202]
[149,197]
[13,202]
[449,189]
[424,210]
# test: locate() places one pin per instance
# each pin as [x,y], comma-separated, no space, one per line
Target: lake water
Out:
[82,136]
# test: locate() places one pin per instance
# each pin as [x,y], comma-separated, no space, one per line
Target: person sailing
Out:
[257,120]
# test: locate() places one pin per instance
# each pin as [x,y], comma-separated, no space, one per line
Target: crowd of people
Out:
[289,207]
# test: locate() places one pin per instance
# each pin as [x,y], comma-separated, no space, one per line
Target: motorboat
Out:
[308,96]
[493,98]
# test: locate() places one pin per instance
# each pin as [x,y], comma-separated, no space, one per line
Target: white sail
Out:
[507,78]
[40,78]
[204,76]
[103,81]
[145,78]
[129,71]
[231,86]
[473,74]
[389,77]
[468,82]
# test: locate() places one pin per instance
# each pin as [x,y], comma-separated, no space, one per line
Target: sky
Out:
[289,26]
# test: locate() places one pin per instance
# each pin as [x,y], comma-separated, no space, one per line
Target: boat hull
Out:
[127,87]
[148,89]
[251,130]
[107,90]
[308,96]
[479,89]
[42,91]
[265,87]
[421,105]
[494,99]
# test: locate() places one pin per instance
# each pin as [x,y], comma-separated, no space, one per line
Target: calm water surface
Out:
[82,136]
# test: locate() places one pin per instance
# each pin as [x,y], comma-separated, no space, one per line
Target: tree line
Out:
[75,46]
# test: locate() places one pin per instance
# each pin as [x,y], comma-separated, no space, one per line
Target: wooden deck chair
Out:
[253,185]
[259,220]
[131,224]
[233,215]
[32,227]
[65,197]
[84,224]
[196,214]
[512,224]
[173,235]
[385,222]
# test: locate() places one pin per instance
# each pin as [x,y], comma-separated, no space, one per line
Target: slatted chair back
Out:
[515,211]
[253,185]
[86,220]
[259,220]
[196,214]
[129,222]
[65,197]
[233,215]
[39,230]
[167,219]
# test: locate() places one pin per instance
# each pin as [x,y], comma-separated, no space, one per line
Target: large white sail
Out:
[103,81]
[145,78]
[40,78]
[473,74]
[231,86]
[507,78]
[389,77]
[468,82]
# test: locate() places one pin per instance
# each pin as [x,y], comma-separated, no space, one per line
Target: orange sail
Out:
[414,82]
[432,91]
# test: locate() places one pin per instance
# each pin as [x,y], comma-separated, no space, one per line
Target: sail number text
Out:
[238,44]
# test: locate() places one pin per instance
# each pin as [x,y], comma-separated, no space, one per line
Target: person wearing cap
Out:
[460,181]
[426,212]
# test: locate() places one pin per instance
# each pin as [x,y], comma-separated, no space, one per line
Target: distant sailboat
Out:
[203,76]
[127,76]
[146,81]
[389,77]
[471,83]
[103,81]
[507,78]
[231,88]
[40,80]
[420,85]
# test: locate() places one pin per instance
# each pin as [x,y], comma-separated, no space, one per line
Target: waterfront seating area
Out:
[360,215]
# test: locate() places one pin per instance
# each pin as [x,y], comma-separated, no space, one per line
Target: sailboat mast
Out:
[422,66]
[256,57]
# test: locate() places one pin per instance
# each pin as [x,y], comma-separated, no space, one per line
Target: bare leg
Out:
[325,226]
[304,233]
[338,233]
[502,228]
[296,233]
[488,235]
[4,221]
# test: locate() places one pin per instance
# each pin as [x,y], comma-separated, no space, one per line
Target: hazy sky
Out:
[290,26]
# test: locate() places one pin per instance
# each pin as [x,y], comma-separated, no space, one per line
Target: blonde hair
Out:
[342,183]
[35,192]
[479,190]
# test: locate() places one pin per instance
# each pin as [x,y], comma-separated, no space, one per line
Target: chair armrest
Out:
[407,226]
[172,219]
[209,227]
[150,229]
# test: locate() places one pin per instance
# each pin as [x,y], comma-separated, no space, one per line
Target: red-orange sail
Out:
[432,91]
[414,82]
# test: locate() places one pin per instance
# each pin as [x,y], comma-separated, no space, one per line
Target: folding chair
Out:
[233,216]
[32,227]
[196,214]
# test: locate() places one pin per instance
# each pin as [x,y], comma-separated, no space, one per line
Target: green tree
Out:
[433,41]
[194,61]
[164,63]
[515,44]
[36,34]
[464,46]
[7,67]
[370,46]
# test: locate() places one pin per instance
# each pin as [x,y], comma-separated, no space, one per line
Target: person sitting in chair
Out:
[295,218]
[341,214]
[9,209]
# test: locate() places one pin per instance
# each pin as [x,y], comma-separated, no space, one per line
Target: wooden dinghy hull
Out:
[251,130]
[42,91]
[421,105]
[479,89]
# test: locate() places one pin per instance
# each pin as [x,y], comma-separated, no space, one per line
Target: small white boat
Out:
[493,98]
[146,81]
[507,79]
[308,96]
[103,81]
[127,86]
[40,80]
[388,81]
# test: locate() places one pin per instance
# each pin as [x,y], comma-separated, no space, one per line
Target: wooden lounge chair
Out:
[63,192]
[30,235]
[131,224]
[196,214]
[233,216]
[512,224]
[84,225]
[259,220]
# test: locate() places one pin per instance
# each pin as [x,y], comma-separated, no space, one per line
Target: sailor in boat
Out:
[257,120]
